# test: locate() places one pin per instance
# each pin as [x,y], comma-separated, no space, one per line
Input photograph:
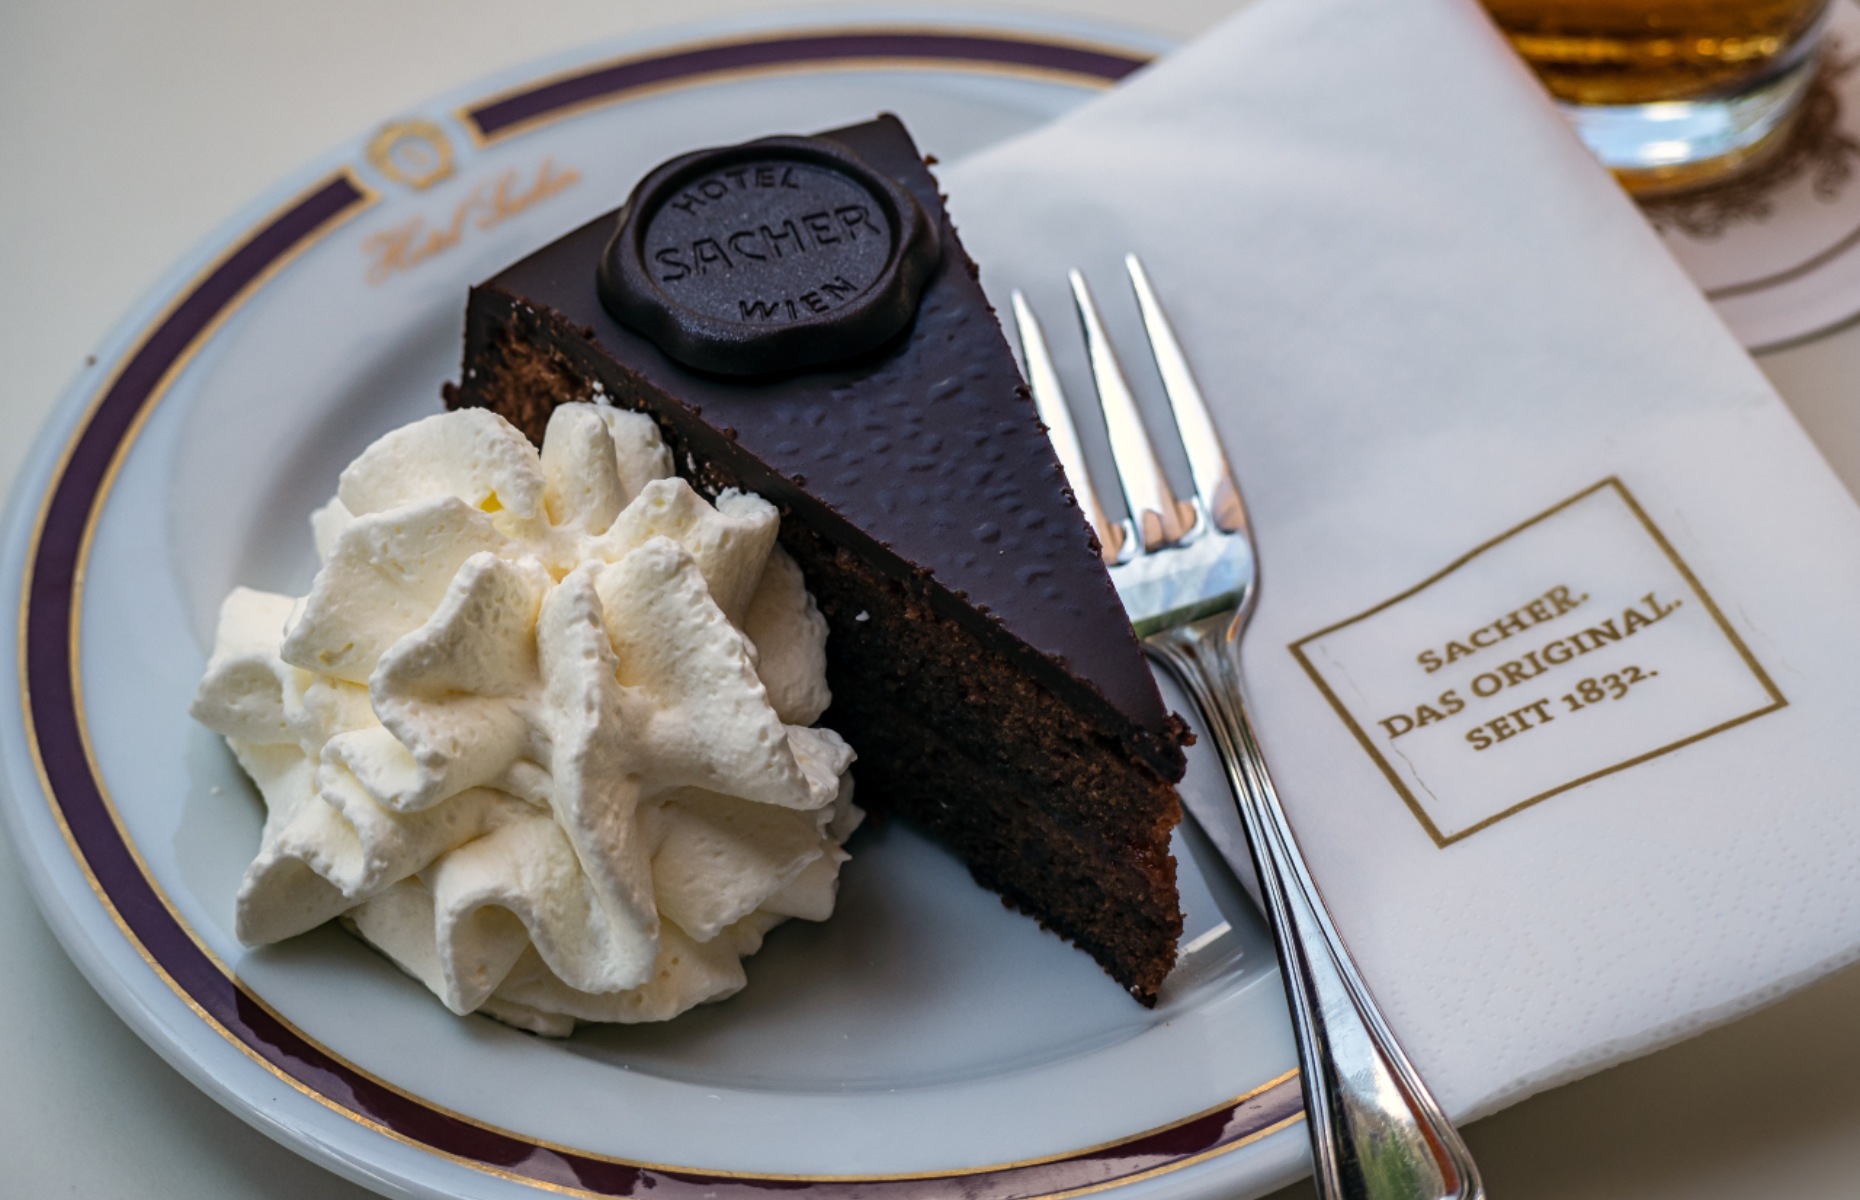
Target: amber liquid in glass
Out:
[1600,58]
[1641,51]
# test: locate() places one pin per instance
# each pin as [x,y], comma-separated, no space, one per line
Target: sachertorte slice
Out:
[799,317]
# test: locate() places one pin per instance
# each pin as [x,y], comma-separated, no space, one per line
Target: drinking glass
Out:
[1671,94]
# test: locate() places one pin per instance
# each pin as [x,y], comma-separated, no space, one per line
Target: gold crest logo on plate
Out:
[416,153]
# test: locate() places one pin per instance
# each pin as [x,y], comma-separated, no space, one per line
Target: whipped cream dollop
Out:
[543,729]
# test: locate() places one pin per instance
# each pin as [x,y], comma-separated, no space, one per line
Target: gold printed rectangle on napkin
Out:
[1570,647]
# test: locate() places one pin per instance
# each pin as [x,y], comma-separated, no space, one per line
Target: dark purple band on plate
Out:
[79,798]
[973,49]
[50,683]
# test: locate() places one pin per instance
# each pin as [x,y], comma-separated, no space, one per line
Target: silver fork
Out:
[1188,577]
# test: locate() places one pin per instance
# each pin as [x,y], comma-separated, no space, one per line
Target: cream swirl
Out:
[542,729]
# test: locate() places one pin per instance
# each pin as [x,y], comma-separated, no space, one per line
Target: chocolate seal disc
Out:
[768,257]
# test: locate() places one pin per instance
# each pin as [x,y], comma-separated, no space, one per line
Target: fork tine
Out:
[1207,461]
[1158,518]
[1050,399]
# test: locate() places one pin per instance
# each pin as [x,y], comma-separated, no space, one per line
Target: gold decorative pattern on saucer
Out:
[1816,148]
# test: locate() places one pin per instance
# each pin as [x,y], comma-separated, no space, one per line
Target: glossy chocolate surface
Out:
[926,456]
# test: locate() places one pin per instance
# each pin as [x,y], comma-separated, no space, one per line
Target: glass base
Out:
[1675,145]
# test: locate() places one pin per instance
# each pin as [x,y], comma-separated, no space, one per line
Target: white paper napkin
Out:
[1469,395]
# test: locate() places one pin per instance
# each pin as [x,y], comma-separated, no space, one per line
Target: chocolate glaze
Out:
[926,455]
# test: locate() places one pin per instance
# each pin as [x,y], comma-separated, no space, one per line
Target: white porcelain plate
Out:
[925,1042]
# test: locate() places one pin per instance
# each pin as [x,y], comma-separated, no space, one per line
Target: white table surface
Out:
[132,130]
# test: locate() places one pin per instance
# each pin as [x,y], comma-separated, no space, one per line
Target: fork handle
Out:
[1376,1131]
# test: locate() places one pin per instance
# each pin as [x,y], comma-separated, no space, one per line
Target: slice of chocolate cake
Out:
[800,319]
